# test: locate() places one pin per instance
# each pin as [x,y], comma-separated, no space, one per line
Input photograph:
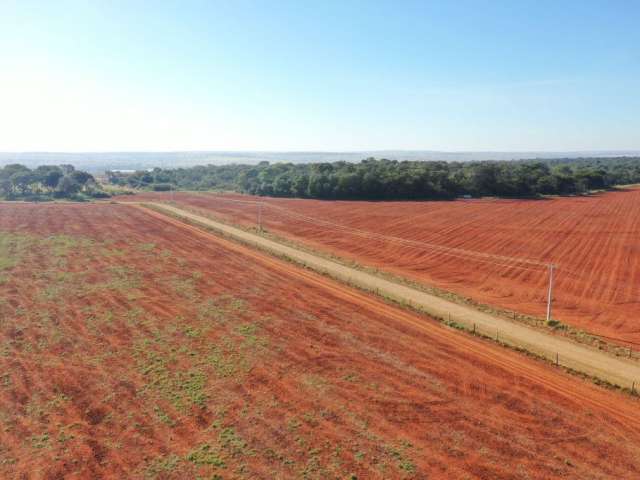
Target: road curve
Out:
[565,352]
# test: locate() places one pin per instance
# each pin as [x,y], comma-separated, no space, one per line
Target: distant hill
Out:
[99,162]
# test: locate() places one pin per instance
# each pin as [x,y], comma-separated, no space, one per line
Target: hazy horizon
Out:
[336,151]
[100,161]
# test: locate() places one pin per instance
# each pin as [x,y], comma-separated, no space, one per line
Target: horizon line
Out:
[603,150]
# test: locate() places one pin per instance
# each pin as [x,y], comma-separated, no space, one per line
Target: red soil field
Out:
[493,251]
[134,347]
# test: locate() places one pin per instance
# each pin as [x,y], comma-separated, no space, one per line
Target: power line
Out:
[499,260]
[519,263]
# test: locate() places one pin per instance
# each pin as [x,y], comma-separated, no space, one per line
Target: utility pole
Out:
[260,217]
[550,294]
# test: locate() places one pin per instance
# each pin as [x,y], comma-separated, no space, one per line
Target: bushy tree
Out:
[49,176]
[68,186]
[18,181]
[392,179]
[23,180]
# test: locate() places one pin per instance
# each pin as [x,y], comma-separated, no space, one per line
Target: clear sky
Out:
[319,75]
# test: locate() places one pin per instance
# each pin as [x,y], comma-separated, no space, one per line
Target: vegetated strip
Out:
[504,358]
[556,349]
[613,345]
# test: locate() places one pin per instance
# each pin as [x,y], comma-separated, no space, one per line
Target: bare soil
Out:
[493,251]
[561,350]
[132,348]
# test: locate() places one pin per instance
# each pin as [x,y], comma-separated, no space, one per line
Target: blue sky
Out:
[302,75]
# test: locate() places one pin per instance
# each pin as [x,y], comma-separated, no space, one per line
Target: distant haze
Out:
[100,161]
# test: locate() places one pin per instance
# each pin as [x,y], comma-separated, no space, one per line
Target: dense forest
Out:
[47,182]
[390,179]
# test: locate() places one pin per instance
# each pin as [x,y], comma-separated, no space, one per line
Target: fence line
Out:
[500,261]
[452,251]
[581,358]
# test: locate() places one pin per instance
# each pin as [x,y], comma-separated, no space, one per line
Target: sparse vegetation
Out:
[216,376]
[162,465]
[206,455]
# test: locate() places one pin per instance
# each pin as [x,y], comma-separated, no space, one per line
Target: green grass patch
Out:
[221,308]
[229,445]
[193,332]
[62,245]
[249,332]
[39,442]
[182,388]
[205,454]
[123,279]
[163,416]
[13,247]
[146,247]
[162,466]
[60,284]
[184,287]
[226,362]
[399,454]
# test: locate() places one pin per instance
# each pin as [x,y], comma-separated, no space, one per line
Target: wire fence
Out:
[579,284]
[557,350]
[501,261]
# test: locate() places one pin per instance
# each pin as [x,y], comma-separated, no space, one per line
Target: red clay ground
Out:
[593,240]
[132,347]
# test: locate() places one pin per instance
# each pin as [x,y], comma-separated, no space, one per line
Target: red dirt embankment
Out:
[494,251]
[133,347]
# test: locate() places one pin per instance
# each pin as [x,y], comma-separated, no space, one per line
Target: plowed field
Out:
[493,251]
[133,348]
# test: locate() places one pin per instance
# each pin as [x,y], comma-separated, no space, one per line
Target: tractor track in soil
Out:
[494,251]
[527,368]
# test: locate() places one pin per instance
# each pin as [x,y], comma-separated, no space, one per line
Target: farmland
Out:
[495,252]
[133,348]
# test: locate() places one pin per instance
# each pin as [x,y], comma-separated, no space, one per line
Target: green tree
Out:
[68,186]
[49,176]
[23,181]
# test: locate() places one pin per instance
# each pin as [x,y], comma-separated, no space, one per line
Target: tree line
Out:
[18,182]
[375,179]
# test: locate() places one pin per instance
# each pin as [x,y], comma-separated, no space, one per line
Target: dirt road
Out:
[495,252]
[557,349]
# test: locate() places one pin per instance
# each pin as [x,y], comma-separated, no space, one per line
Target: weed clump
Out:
[205,454]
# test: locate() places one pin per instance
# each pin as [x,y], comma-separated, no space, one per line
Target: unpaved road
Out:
[567,353]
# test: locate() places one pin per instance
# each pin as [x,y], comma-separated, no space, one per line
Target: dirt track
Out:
[493,251]
[565,352]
